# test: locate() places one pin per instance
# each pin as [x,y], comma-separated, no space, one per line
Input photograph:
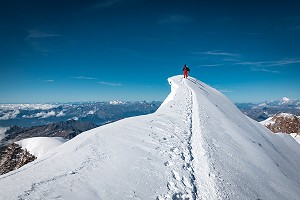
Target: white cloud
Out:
[27,106]
[264,66]
[49,114]
[10,111]
[217,53]
[41,115]
[175,19]
[110,83]
[61,114]
[35,37]
[105,4]
[211,65]
[285,62]
[271,63]
[9,114]
[264,70]
[231,60]
[84,77]
[35,33]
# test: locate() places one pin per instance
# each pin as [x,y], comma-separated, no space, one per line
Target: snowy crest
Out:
[171,96]
[39,146]
[285,100]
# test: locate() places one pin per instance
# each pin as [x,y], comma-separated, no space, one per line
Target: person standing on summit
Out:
[185,70]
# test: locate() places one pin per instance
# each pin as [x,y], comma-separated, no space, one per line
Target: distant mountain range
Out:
[99,113]
[263,111]
[27,115]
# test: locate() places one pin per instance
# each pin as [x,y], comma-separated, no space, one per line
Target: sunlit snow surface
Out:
[197,145]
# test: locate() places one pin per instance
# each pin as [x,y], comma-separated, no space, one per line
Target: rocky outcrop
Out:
[284,123]
[14,157]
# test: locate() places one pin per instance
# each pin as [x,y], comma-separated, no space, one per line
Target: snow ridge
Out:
[180,170]
[205,184]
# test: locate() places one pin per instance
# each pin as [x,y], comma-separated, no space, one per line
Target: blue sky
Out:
[62,51]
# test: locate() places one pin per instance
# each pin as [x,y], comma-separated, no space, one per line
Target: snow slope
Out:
[39,146]
[296,137]
[197,145]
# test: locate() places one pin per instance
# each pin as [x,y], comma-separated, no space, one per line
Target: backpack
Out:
[187,69]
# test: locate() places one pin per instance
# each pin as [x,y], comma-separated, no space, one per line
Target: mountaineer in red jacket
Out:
[185,70]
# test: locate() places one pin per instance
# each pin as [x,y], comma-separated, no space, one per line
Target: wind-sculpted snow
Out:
[39,146]
[197,145]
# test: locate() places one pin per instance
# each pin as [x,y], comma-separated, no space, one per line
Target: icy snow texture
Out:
[39,146]
[197,145]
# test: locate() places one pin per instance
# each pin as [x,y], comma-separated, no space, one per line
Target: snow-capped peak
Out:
[116,102]
[197,145]
[285,100]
